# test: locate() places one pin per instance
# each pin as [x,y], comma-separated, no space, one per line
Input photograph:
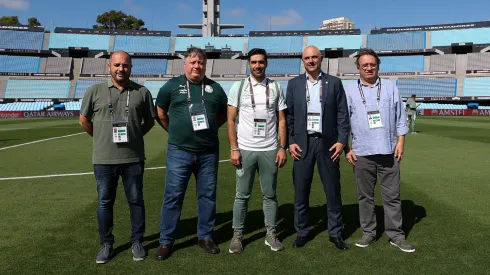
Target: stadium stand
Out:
[142,44]
[396,41]
[154,87]
[392,64]
[446,62]
[177,67]
[227,66]
[226,85]
[91,41]
[447,37]
[282,66]
[441,106]
[37,88]
[95,66]
[21,40]
[58,65]
[73,105]
[478,61]
[234,43]
[26,106]
[347,65]
[283,44]
[427,86]
[143,66]
[336,41]
[476,86]
[19,64]
[83,85]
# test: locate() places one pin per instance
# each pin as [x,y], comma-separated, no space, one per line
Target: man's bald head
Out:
[312,60]
[119,55]
[120,67]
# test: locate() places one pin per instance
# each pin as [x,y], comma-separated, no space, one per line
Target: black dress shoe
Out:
[300,242]
[339,243]
[209,246]
[163,252]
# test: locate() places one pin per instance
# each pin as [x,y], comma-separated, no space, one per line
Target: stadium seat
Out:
[427,86]
[233,43]
[19,64]
[227,66]
[58,65]
[154,87]
[95,66]
[476,86]
[478,61]
[336,41]
[396,41]
[446,62]
[447,37]
[142,44]
[281,44]
[21,40]
[82,86]
[142,66]
[37,89]
[393,64]
[282,66]
[91,41]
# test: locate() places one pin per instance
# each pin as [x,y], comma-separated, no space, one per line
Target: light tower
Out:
[211,25]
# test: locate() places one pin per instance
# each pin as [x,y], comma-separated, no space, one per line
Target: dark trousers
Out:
[107,176]
[302,177]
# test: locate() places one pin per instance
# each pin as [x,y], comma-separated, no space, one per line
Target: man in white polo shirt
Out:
[261,105]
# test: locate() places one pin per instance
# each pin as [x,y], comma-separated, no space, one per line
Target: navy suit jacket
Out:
[335,114]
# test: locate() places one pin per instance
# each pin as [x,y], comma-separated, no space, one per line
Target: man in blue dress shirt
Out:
[378,126]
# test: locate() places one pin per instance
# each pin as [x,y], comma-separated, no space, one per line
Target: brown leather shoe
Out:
[163,251]
[209,246]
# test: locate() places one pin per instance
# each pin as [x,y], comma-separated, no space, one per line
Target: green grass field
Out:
[48,225]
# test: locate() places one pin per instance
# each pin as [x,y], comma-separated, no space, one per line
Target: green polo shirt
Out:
[95,106]
[172,97]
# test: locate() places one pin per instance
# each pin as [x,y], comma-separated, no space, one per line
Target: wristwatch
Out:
[283,147]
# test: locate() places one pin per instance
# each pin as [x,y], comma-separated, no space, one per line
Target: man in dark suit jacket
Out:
[318,127]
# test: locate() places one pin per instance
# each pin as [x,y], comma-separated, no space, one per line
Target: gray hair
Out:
[195,51]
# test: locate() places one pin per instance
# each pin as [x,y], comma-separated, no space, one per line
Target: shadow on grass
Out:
[412,214]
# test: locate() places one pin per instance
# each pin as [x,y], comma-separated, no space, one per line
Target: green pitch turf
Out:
[48,225]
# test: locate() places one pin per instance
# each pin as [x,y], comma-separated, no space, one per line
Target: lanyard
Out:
[378,96]
[111,108]
[189,93]
[267,92]
[308,91]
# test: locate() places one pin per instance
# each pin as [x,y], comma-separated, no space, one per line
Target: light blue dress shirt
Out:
[366,141]
[315,105]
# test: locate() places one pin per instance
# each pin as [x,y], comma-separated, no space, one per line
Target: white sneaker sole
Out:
[272,248]
[231,252]
[404,250]
[363,245]
[139,259]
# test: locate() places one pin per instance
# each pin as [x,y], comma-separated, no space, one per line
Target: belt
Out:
[315,135]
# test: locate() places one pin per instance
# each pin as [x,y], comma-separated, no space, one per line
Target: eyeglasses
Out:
[369,65]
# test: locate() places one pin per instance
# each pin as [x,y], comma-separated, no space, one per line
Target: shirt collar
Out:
[110,84]
[366,85]
[317,79]
[255,82]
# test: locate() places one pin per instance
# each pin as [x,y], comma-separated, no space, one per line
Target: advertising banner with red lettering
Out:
[38,114]
[456,112]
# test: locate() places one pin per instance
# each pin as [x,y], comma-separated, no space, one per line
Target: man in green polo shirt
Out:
[118,113]
[191,108]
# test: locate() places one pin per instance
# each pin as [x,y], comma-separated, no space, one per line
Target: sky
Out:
[256,15]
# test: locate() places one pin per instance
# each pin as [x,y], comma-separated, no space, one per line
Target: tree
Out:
[118,20]
[9,20]
[33,22]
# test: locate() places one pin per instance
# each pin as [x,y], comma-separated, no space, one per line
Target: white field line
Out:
[37,141]
[77,174]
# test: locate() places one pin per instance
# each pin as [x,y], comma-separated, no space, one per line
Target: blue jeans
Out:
[107,176]
[180,166]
